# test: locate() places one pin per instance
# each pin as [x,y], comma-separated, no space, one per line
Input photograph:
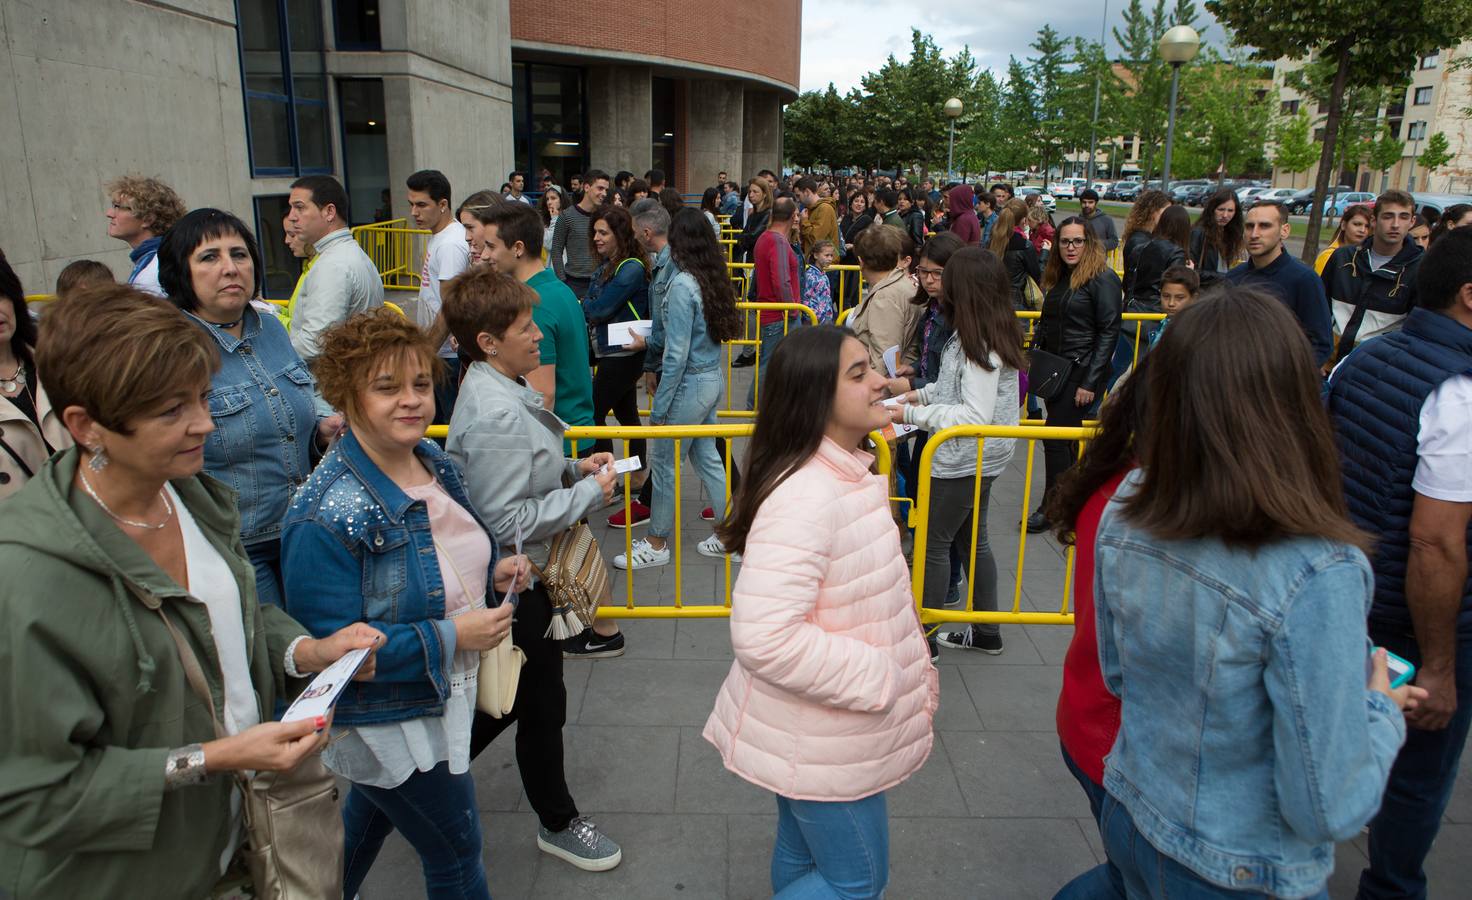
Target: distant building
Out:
[230,100]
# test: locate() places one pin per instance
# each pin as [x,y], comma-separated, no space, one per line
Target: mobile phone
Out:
[1401,671]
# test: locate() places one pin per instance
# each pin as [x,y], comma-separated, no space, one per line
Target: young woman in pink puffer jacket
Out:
[830,699]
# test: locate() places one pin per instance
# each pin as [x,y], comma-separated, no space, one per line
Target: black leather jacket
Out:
[1083,325]
[1131,254]
[1151,262]
[1022,263]
[755,224]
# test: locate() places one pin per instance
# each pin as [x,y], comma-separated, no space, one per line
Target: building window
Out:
[1423,96]
[1431,60]
[1318,135]
[550,122]
[364,149]
[282,268]
[1290,107]
[285,86]
[1417,132]
[355,24]
[662,98]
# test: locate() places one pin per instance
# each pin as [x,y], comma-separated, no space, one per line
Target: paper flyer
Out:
[320,696]
[621,334]
[892,360]
[893,430]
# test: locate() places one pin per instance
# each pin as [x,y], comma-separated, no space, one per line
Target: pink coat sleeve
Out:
[773,632]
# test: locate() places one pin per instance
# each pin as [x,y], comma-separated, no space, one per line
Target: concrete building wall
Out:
[715,131]
[620,119]
[761,132]
[97,89]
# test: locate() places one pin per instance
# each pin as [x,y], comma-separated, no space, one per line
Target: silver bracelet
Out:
[290,663]
[184,766]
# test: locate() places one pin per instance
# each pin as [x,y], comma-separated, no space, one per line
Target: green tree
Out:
[1091,69]
[1019,121]
[1296,150]
[904,102]
[1437,154]
[1230,103]
[979,135]
[1146,78]
[1386,151]
[1378,42]
[1047,73]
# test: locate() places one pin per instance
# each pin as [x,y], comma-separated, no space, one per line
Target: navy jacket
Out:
[1297,286]
[1375,399]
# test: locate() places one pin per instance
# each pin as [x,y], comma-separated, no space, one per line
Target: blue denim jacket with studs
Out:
[261,401]
[356,548]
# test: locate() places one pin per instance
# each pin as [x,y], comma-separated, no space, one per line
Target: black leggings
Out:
[1058,456]
[540,711]
[616,389]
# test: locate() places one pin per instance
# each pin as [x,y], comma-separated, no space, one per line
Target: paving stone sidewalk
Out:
[993,813]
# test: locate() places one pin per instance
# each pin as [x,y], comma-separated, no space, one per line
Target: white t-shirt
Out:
[147,280]
[1444,442]
[446,256]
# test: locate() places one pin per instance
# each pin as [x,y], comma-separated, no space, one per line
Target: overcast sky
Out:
[843,39]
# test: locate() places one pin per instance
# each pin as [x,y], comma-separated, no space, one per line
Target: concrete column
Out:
[620,118]
[715,128]
[761,133]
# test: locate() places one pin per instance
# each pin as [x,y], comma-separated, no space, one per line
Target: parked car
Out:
[1276,195]
[1335,206]
[1248,194]
[1191,193]
[1101,188]
[1437,203]
[1300,202]
[1048,201]
[1123,190]
[1062,189]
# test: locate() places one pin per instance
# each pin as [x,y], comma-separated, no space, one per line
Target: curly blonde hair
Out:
[353,350]
[156,204]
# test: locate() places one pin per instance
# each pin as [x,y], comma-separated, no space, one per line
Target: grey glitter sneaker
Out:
[582,844]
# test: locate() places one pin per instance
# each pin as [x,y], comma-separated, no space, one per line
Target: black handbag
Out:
[1047,375]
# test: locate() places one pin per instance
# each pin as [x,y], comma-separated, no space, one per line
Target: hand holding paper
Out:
[621,334]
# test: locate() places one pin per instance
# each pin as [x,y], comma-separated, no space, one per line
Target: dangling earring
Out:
[98,462]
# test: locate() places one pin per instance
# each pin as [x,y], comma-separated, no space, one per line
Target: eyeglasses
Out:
[928,273]
[1071,242]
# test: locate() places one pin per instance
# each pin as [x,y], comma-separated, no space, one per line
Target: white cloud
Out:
[843,39]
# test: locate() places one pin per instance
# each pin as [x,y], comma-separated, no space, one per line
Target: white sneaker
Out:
[643,556]
[713,547]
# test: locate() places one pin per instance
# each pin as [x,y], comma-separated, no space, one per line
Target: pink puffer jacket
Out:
[832,692]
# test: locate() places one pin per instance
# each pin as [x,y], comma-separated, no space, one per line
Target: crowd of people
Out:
[1279,491]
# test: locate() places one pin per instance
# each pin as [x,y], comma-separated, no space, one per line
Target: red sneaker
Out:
[638,511]
[708,514]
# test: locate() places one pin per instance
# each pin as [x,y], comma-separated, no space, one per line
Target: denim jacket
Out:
[624,297]
[265,422]
[684,348]
[356,548]
[1249,742]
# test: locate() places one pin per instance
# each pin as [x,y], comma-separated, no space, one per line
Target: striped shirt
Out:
[570,236]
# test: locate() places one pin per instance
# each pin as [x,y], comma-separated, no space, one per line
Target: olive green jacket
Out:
[93,697]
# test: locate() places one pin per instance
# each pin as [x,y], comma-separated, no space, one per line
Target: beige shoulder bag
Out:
[294,832]
[500,667]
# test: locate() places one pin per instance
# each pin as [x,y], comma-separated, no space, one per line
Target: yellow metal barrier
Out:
[921,518]
[396,251]
[1030,318]
[40,298]
[754,341]
[678,433]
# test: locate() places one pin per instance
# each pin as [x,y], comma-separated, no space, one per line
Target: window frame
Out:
[1416,94]
[290,100]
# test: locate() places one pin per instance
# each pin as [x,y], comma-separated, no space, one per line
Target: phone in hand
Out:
[1401,671]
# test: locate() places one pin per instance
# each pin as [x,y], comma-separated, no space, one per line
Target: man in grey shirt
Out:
[343,280]
[570,235]
[1102,224]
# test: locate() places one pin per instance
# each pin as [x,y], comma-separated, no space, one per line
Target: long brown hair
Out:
[766,201]
[1175,226]
[694,249]
[1146,206]
[1227,239]
[976,299]
[1090,264]
[1358,211]
[625,245]
[1238,446]
[1002,230]
[798,391]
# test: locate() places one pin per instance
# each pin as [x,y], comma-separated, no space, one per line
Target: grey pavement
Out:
[992,813]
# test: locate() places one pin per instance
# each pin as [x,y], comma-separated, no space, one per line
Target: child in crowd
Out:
[82,273]
[1178,288]
[817,292]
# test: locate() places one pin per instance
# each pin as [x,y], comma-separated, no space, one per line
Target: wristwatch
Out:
[184,766]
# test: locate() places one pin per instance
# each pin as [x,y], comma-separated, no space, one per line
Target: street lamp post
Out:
[1094,125]
[1178,46]
[952,111]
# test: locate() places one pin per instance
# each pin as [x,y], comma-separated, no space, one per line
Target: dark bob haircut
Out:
[184,238]
[24,337]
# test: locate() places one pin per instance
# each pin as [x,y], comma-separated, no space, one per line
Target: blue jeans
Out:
[1420,786]
[266,557]
[831,850]
[770,336]
[694,403]
[1101,881]
[437,814]
[1149,873]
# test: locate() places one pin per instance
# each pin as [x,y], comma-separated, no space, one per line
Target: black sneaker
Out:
[971,639]
[956,595]
[934,648]
[743,361]
[588,644]
[1037,523]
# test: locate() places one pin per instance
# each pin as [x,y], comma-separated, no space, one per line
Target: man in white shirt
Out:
[140,210]
[517,181]
[343,280]
[1402,408]
[446,256]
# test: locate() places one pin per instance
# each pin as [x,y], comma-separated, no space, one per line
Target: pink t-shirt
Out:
[461,545]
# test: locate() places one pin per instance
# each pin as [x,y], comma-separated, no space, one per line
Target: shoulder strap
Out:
[192,671]
[10,451]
